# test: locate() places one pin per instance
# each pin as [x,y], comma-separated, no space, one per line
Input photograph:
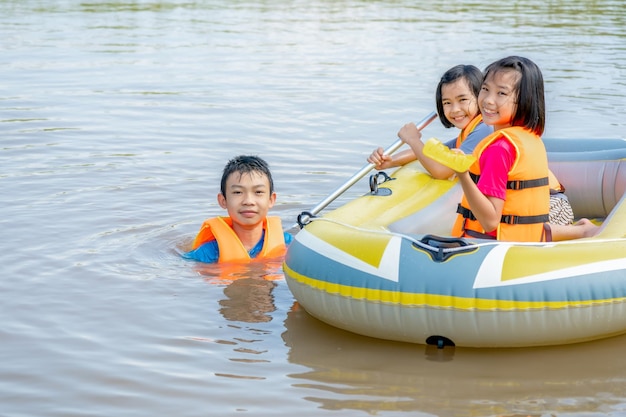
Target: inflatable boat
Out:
[383,265]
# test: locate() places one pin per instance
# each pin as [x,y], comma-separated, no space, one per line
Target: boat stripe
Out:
[509,264]
[439,301]
[387,264]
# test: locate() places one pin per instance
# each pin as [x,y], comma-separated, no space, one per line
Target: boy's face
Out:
[248,198]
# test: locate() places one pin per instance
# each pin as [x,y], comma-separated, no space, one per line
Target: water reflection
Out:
[249,300]
[352,372]
[247,288]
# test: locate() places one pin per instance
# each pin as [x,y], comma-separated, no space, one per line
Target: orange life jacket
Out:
[231,248]
[527,201]
[468,129]
[555,185]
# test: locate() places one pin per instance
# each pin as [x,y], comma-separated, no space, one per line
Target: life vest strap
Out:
[547,233]
[513,219]
[478,235]
[518,184]
[465,212]
[521,185]
[506,218]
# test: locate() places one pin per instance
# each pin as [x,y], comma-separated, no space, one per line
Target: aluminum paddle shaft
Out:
[363,171]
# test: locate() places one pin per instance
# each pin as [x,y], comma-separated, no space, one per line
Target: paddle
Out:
[361,173]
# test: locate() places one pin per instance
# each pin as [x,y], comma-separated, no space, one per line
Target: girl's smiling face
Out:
[459,103]
[498,98]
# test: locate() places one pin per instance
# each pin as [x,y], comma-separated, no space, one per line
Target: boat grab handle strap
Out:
[440,248]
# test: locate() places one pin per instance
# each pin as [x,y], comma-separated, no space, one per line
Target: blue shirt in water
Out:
[479,133]
[209,252]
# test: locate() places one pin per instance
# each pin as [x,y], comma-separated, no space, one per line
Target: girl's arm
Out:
[486,198]
[413,137]
[486,209]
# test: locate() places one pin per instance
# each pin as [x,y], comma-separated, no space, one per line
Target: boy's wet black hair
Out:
[246,164]
[470,73]
[531,106]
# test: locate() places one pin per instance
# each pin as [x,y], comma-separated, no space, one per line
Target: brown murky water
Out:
[116,120]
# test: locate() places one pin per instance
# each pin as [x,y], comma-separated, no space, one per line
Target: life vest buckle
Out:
[508,219]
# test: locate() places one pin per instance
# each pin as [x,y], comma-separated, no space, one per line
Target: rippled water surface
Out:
[116,119]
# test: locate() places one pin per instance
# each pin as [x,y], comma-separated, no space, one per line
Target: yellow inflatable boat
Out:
[382,265]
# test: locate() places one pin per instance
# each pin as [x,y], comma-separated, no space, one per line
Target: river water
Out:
[116,119]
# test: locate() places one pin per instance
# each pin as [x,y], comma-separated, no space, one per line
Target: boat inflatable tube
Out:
[383,265]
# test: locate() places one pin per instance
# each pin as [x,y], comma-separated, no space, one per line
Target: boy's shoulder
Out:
[207,252]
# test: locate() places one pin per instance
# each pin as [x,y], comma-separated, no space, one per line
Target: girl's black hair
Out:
[531,106]
[470,73]
[246,164]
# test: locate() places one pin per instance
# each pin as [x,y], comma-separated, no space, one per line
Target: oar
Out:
[362,172]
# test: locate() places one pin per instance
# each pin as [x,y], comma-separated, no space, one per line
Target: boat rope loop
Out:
[305,218]
[440,248]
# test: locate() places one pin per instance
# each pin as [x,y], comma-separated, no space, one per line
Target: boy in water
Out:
[247,194]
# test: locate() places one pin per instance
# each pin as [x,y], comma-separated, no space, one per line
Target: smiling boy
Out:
[247,194]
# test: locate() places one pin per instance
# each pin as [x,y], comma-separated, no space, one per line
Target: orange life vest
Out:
[468,129]
[555,185]
[231,248]
[527,201]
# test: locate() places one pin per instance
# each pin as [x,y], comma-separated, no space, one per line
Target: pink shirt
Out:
[495,163]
